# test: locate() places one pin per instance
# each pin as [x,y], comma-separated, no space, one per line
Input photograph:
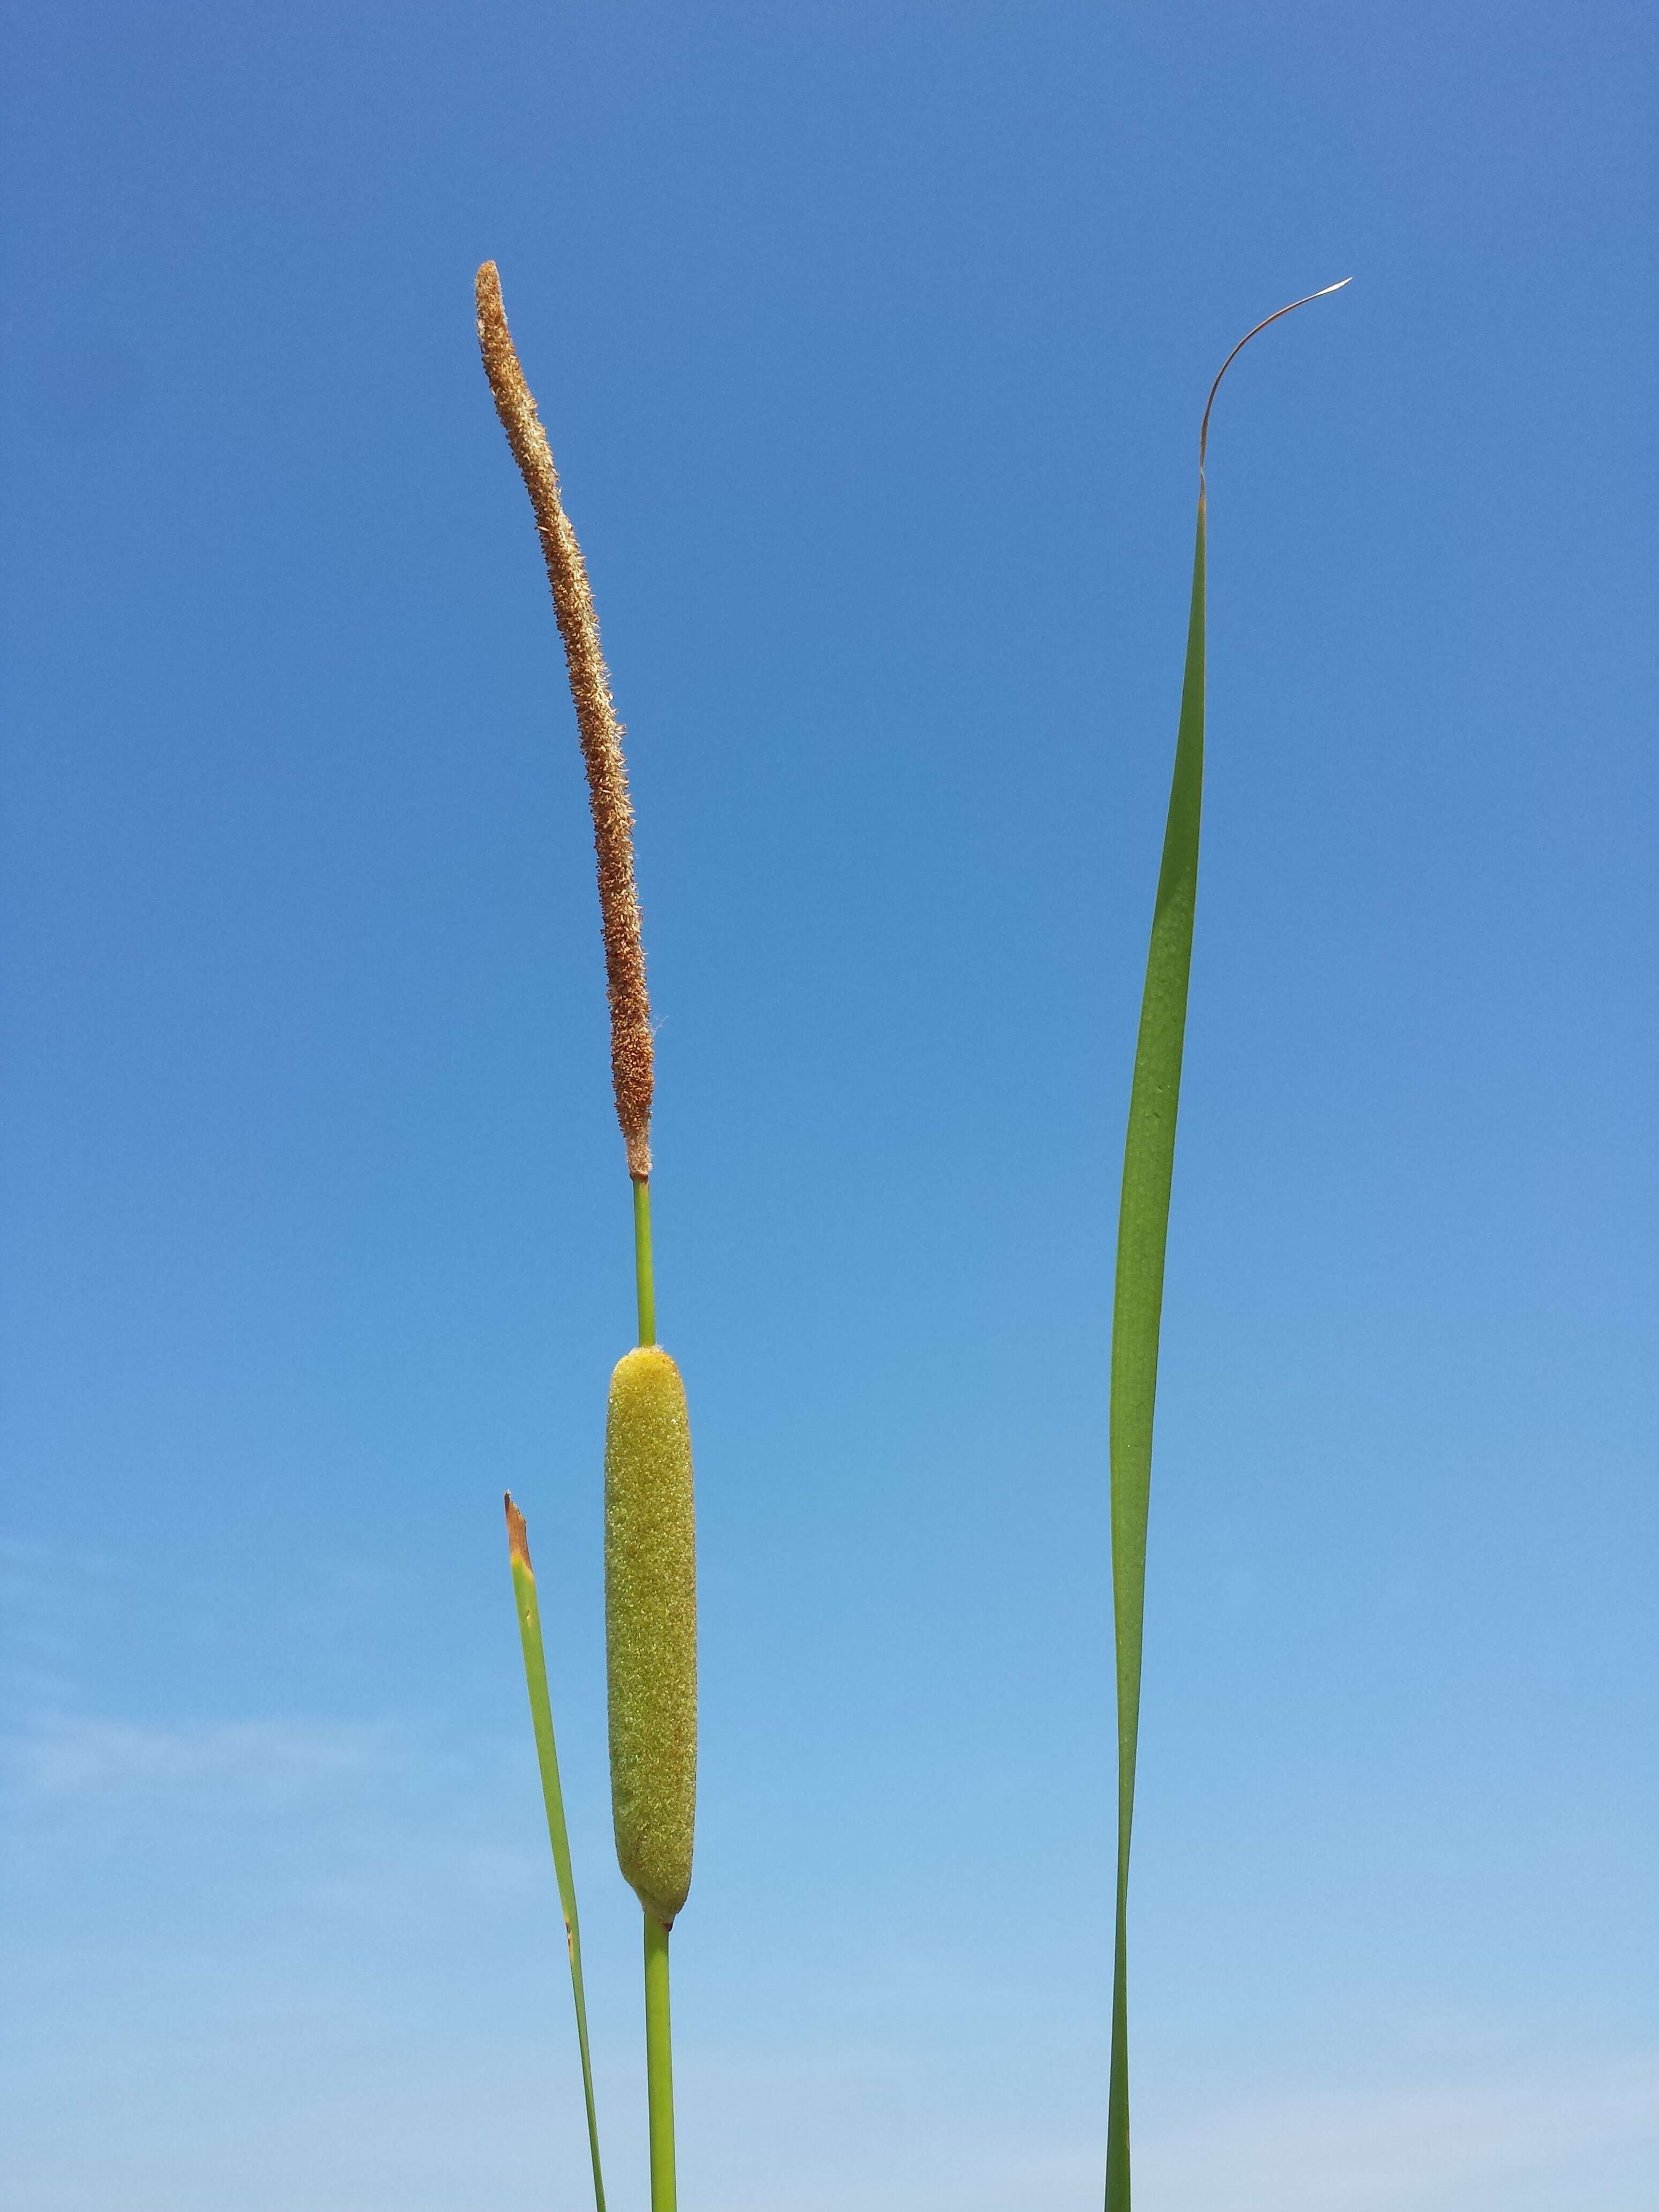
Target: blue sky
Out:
[873,341]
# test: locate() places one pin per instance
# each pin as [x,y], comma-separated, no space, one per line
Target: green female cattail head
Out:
[651,1628]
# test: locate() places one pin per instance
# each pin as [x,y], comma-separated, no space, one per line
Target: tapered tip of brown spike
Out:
[517,1536]
[501,360]
[487,288]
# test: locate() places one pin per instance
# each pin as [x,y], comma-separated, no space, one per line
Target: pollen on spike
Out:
[600,735]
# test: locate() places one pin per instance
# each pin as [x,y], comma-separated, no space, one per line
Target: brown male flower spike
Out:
[631,1060]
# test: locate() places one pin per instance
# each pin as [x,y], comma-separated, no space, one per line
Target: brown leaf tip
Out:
[517,1536]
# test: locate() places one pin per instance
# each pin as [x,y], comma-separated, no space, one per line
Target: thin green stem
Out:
[644,1274]
[659,2065]
[547,1758]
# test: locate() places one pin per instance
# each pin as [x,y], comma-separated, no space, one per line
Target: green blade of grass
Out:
[547,1758]
[1142,1239]
[1138,1301]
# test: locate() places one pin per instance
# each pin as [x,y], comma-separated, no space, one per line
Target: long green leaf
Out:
[1142,1238]
[1138,1303]
[547,1758]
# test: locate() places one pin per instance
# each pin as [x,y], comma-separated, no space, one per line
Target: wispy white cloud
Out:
[1386,2150]
[73,1757]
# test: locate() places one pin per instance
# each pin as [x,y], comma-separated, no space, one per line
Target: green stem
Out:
[644,1276]
[659,2065]
[547,1758]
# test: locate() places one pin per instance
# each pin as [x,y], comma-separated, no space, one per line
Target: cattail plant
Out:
[650,1562]
[1142,1237]
[650,1554]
